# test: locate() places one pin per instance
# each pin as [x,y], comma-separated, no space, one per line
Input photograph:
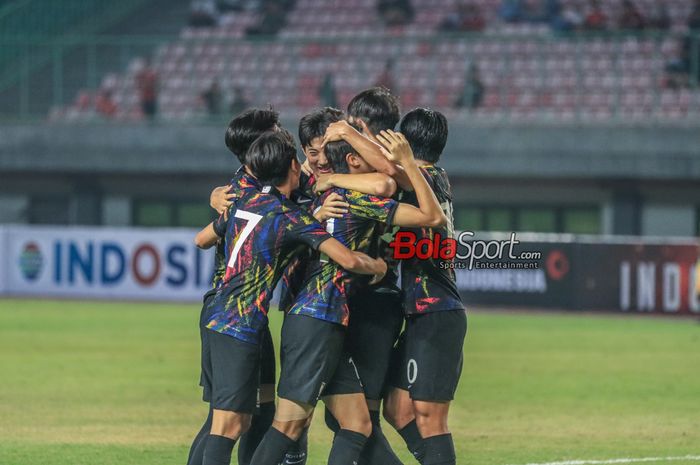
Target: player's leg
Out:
[310,350]
[350,410]
[235,376]
[288,426]
[377,319]
[196,455]
[262,420]
[434,344]
[398,412]
[398,406]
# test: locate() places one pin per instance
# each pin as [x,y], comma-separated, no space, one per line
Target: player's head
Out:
[248,126]
[344,159]
[426,132]
[312,128]
[272,158]
[377,107]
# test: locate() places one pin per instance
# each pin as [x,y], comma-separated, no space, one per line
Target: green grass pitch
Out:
[116,384]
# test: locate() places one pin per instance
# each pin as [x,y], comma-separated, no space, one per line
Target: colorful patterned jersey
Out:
[293,277]
[428,287]
[264,232]
[239,183]
[326,285]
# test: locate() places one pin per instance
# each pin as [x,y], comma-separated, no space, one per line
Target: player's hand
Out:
[381,265]
[336,131]
[220,199]
[323,183]
[366,131]
[306,168]
[398,148]
[333,207]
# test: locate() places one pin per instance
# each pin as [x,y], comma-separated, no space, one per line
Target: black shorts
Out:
[204,378]
[268,368]
[230,373]
[376,319]
[428,358]
[313,361]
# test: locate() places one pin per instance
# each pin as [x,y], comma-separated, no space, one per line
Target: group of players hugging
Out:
[360,329]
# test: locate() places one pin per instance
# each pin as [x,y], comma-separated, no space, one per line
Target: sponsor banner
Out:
[105,263]
[550,283]
[639,277]
[627,277]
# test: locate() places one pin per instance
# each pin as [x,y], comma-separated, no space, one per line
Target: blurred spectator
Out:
[660,19]
[203,13]
[147,83]
[569,19]
[596,20]
[630,17]
[396,12]
[694,19]
[686,67]
[104,104]
[238,102]
[274,17]
[212,98]
[542,11]
[473,90]
[466,17]
[386,78]
[511,11]
[327,94]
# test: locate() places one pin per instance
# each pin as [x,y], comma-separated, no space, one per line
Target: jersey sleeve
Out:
[221,224]
[302,227]
[381,209]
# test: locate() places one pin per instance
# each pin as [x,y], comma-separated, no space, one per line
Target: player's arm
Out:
[207,237]
[369,150]
[378,184]
[428,213]
[355,262]
[213,232]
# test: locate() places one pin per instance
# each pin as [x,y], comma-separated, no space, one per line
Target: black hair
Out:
[270,156]
[378,107]
[315,124]
[248,126]
[426,132]
[336,153]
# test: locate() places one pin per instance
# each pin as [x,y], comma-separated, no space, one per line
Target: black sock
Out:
[331,422]
[272,448]
[297,453]
[347,447]
[413,440]
[197,450]
[440,450]
[218,450]
[377,451]
[261,422]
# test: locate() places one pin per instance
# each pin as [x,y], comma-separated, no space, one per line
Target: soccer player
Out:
[241,132]
[314,363]
[263,231]
[377,313]
[429,356]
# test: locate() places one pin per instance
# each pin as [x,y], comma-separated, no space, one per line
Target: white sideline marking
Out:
[622,460]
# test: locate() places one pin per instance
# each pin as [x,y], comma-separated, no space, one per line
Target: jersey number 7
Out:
[251,221]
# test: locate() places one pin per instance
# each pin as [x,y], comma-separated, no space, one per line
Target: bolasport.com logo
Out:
[465,252]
